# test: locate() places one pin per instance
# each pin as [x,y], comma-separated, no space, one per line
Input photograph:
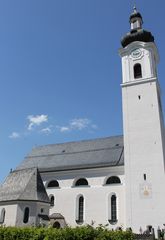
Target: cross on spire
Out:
[134,9]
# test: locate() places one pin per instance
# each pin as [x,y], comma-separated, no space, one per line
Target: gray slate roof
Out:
[23,185]
[76,155]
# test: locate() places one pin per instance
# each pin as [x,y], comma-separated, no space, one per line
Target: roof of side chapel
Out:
[25,184]
[100,152]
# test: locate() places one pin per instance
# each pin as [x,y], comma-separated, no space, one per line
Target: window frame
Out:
[113,209]
[51,181]
[112,183]
[137,70]
[26,215]
[80,209]
[81,185]
[52,203]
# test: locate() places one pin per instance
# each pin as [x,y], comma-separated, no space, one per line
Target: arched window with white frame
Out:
[112,209]
[80,209]
[81,182]
[52,200]
[113,180]
[53,184]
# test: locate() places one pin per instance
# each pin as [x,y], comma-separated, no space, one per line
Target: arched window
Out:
[2,217]
[113,210]
[80,215]
[26,215]
[51,198]
[53,183]
[81,182]
[113,180]
[137,70]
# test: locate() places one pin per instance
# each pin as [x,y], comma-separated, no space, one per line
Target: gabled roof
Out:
[25,185]
[100,152]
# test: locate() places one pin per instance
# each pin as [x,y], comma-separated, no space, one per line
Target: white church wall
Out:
[10,214]
[96,195]
[43,208]
[32,213]
[35,208]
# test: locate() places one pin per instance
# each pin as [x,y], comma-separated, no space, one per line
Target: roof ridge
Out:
[18,170]
[67,153]
[40,186]
[79,141]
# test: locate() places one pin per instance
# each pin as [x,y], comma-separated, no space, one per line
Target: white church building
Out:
[116,181]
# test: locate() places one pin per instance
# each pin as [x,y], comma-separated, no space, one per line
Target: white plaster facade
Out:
[10,215]
[97,204]
[14,213]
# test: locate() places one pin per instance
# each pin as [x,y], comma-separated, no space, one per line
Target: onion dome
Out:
[137,33]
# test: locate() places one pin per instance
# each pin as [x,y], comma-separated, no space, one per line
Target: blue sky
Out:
[60,71]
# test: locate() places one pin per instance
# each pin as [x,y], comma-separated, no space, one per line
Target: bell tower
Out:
[143,128]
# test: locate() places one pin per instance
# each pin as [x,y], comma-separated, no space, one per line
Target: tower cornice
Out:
[147,80]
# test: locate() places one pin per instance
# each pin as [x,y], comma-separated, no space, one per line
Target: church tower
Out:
[143,129]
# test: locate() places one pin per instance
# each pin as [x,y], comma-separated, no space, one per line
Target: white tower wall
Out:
[143,138]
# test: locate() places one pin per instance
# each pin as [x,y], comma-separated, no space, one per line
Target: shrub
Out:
[68,233]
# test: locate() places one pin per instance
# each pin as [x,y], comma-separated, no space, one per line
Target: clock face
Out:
[136,53]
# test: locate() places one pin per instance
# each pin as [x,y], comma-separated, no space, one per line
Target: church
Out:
[115,181]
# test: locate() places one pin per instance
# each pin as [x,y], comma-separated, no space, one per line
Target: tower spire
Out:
[135,19]
[134,8]
[137,33]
